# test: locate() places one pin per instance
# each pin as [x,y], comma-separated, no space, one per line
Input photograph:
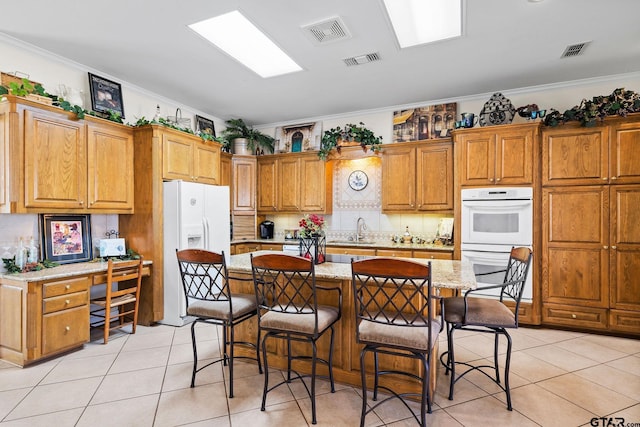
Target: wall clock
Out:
[358,180]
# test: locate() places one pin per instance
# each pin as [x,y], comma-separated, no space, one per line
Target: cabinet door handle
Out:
[497,179]
[573,316]
[490,179]
[604,178]
[613,247]
[81,202]
[614,177]
[67,287]
[67,328]
[606,247]
[66,302]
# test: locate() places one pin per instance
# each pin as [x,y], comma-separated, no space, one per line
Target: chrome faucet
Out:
[360,227]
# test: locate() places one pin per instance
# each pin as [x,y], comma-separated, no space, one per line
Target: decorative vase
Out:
[314,248]
[241,146]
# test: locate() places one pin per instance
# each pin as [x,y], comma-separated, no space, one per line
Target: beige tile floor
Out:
[558,378]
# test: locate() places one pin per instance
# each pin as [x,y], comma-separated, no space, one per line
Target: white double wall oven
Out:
[493,221]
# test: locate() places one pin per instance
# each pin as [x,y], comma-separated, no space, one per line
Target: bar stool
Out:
[287,298]
[395,315]
[488,316]
[209,300]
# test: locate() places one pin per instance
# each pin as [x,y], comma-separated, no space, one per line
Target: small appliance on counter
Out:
[266,230]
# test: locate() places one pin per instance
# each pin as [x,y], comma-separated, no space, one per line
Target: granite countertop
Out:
[379,244]
[65,270]
[445,274]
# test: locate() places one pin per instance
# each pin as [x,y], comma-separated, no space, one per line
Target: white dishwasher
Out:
[291,249]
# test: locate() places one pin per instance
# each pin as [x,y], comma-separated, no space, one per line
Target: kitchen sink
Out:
[350,242]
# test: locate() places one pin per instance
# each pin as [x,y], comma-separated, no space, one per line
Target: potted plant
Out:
[338,137]
[241,135]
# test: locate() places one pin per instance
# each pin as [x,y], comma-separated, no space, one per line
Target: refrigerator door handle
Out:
[205,226]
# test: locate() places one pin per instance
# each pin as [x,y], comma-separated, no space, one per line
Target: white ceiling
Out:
[507,44]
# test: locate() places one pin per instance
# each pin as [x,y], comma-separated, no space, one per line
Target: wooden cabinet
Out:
[624,258]
[496,155]
[267,184]
[292,183]
[244,184]
[189,158]
[288,190]
[591,237]
[433,254]
[603,154]
[63,165]
[43,318]
[110,167]
[417,178]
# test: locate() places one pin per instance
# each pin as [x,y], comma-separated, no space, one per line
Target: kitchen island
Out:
[346,358]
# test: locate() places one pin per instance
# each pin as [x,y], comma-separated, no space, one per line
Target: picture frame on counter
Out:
[106,95]
[204,125]
[66,239]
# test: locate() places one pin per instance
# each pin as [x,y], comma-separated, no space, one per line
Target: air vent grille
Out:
[362,59]
[329,30]
[574,50]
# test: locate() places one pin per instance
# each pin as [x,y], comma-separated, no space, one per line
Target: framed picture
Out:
[430,122]
[106,95]
[66,238]
[205,125]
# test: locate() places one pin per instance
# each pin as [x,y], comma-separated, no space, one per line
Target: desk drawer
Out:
[62,302]
[65,286]
[65,329]
[101,279]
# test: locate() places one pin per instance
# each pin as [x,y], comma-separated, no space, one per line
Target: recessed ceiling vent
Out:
[332,29]
[574,50]
[362,59]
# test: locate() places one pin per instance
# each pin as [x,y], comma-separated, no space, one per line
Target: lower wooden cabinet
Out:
[43,318]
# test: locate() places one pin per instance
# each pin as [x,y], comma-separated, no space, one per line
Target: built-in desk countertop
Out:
[445,273]
[67,270]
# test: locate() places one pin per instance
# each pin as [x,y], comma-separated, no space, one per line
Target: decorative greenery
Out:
[10,265]
[334,137]
[621,102]
[236,128]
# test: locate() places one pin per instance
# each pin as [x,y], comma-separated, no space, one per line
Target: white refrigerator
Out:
[196,216]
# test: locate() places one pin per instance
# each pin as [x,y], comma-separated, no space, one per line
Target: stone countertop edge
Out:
[445,273]
[377,244]
[64,270]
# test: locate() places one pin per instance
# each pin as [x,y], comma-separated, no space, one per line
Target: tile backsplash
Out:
[16,226]
[349,205]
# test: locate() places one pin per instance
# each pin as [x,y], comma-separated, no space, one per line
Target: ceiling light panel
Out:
[238,37]
[417,22]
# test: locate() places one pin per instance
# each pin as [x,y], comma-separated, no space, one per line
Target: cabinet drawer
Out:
[573,316]
[625,321]
[65,286]
[271,247]
[400,253]
[65,329]
[63,302]
[432,255]
[335,250]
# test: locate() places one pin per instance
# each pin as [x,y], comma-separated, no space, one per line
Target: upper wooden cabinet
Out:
[417,177]
[578,155]
[294,183]
[60,164]
[267,184]
[244,184]
[189,158]
[496,155]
